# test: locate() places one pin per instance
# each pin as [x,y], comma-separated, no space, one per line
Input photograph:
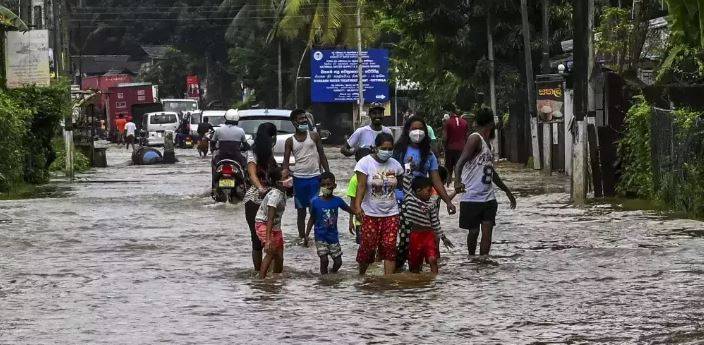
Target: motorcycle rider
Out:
[227,142]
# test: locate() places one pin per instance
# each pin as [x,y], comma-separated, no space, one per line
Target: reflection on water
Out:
[155,260]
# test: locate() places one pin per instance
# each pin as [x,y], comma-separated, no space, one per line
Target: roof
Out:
[265,112]
[156,52]
[190,100]
[106,64]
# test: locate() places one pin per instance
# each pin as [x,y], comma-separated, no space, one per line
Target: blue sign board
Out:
[334,76]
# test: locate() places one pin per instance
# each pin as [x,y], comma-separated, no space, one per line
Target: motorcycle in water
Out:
[230,182]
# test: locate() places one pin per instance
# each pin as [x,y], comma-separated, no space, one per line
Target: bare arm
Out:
[351,211]
[321,152]
[499,183]
[361,192]
[468,153]
[252,171]
[346,150]
[270,215]
[288,147]
[309,227]
[440,188]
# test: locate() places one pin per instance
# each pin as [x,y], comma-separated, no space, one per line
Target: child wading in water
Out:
[268,223]
[420,214]
[323,210]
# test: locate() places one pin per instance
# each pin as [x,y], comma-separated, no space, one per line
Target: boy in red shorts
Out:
[422,218]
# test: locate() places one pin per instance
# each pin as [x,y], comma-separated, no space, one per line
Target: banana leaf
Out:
[9,20]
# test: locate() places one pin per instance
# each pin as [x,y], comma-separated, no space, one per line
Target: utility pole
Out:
[530,87]
[492,83]
[280,67]
[545,69]
[581,99]
[360,69]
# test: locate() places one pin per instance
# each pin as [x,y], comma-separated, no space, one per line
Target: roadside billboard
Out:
[27,58]
[551,100]
[334,76]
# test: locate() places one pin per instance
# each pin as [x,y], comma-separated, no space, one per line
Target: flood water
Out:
[141,254]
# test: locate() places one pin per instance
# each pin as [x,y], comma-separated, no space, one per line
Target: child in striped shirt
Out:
[421,216]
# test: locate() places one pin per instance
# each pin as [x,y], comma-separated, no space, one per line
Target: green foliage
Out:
[170,73]
[683,65]
[13,128]
[634,150]
[680,188]
[81,163]
[46,106]
[687,21]
[614,29]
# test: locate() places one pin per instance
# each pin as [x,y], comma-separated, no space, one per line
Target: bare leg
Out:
[265,265]
[389,267]
[324,264]
[257,259]
[363,268]
[485,246]
[433,265]
[472,237]
[336,264]
[301,222]
[279,261]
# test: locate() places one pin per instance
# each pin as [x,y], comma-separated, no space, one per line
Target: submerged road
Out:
[141,255]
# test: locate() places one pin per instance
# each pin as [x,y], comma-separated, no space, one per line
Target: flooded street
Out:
[141,254]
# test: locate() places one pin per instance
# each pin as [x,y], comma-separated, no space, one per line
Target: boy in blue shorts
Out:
[323,211]
[307,148]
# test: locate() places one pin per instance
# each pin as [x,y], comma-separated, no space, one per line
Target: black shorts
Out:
[451,158]
[472,214]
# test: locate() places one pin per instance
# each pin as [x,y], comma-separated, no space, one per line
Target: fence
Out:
[677,152]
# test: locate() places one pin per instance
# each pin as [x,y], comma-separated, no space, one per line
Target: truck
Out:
[122,97]
[103,83]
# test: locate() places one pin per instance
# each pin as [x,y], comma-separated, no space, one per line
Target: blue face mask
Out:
[384,155]
[303,127]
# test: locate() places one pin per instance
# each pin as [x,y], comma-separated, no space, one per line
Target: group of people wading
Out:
[395,193]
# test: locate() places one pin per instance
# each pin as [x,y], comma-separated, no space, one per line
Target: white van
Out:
[156,124]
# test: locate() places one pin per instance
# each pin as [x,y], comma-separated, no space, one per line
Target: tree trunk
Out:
[492,82]
[530,84]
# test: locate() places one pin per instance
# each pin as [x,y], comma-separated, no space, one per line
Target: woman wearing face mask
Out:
[413,150]
[260,160]
[377,176]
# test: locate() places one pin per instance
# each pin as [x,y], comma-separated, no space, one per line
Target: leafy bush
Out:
[635,152]
[14,130]
[48,106]
[81,163]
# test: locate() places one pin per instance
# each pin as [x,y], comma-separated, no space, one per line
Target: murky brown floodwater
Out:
[153,260]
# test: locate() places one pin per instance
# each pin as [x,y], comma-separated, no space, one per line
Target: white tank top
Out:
[477,176]
[307,158]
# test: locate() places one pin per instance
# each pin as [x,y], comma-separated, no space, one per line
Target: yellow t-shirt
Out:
[352,193]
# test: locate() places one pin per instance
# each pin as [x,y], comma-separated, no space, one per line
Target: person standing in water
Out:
[361,142]
[475,177]
[378,175]
[307,149]
[323,214]
[268,222]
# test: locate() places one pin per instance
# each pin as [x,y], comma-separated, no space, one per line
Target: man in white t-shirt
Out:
[361,142]
[130,129]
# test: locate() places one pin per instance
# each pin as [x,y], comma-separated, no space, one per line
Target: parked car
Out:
[156,124]
[251,119]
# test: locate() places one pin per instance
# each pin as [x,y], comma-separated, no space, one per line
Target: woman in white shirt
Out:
[378,175]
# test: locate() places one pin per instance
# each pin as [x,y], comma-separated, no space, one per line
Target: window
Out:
[161,119]
[121,104]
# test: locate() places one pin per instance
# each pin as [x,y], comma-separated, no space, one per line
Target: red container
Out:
[121,98]
[104,83]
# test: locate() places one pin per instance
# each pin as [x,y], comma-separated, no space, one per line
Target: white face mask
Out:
[417,135]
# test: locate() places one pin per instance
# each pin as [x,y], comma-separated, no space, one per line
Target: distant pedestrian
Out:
[378,175]
[456,131]
[361,142]
[130,130]
[475,178]
[307,149]
[120,126]
[268,222]
[323,215]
